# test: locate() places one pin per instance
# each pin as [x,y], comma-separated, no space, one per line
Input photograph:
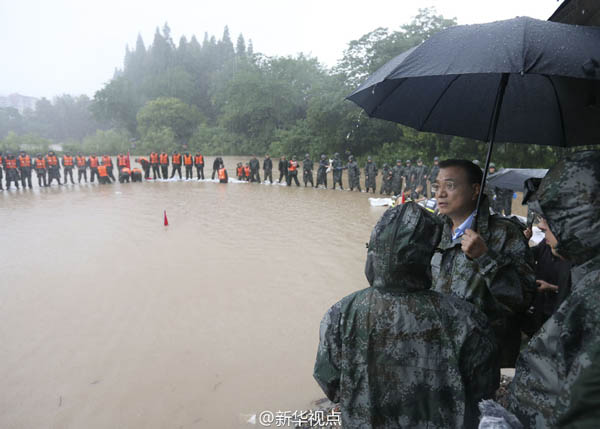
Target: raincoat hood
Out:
[569,199]
[400,249]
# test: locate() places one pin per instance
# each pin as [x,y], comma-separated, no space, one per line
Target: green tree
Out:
[365,55]
[168,113]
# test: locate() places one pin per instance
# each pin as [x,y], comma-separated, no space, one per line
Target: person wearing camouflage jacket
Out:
[386,180]
[568,199]
[370,175]
[500,279]
[397,173]
[353,174]
[397,354]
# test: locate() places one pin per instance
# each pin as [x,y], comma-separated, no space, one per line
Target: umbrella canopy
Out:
[546,76]
[514,178]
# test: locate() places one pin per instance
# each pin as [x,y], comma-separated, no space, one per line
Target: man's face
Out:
[492,170]
[550,237]
[455,195]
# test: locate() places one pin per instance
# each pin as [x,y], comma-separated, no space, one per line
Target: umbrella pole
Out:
[491,136]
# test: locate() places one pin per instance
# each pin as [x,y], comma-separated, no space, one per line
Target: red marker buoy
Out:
[166,220]
[401,202]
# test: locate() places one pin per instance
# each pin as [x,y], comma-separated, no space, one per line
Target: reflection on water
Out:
[111,319]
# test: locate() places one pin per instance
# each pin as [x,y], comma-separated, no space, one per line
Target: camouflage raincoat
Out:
[370,175]
[501,283]
[353,174]
[569,200]
[397,354]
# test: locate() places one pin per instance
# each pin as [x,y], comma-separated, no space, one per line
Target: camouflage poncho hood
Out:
[569,199]
[395,259]
[398,355]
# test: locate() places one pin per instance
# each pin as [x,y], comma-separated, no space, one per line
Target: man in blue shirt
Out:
[488,264]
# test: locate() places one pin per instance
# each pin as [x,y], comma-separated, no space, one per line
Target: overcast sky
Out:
[55,47]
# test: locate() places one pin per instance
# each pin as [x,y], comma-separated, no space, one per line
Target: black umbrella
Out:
[514,178]
[521,81]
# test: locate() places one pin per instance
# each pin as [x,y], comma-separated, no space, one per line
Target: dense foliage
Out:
[223,98]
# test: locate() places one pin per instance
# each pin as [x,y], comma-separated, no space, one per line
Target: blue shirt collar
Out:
[458,232]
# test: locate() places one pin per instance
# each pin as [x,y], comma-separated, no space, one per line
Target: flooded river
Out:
[110,319]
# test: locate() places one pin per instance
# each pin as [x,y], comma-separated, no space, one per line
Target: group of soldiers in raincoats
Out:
[408,177]
[424,344]
[412,178]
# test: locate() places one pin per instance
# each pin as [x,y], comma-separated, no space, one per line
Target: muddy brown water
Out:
[110,319]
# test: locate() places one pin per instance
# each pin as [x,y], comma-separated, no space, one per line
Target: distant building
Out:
[18,101]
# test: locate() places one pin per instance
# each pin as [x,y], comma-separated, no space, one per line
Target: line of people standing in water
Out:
[412,179]
[19,169]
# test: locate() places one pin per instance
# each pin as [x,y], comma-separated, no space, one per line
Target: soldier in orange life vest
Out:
[188,161]
[107,162]
[240,171]
[136,175]
[81,167]
[40,170]
[53,168]
[143,161]
[94,163]
[121,161]
[176,162]
[155,165]
[124,175]
[1,164]
[247,172]
[199,163]
[293,172]
[164,165]
[24,163]
[103,175]
[67,162]
[222,173]
[10,167]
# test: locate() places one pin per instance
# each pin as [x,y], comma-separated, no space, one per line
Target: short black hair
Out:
[474,173]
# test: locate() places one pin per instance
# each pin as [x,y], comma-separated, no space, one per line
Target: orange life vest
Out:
[222,174]
[40,163]
[68,161]
[102,171]
[125,170]
[106,160]
[240,171]
[1,160]
[293,166]
[247,171]
[93,162]
[142,159]
[153,158]
[136,170]
[199,160]
[164,158]
[122,161]
[24,161]
[176,159]
[80,161]
[11,163]
[52,161]
[187,159]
